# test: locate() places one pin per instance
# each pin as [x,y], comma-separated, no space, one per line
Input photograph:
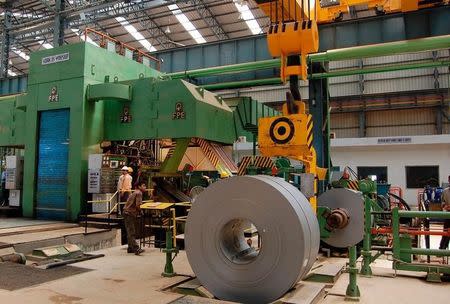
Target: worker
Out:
[124,185]
[130,216]
[446,207]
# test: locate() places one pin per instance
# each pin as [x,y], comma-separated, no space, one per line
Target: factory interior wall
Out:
[396,157]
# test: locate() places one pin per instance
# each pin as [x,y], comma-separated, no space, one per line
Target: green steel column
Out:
[384,49]
[366,270]
[171,163]
[395,236]
[58,28]
[352,292]
[168,268]
[318,105]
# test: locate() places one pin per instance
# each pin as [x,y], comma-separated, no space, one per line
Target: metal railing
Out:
[116,208]
[140,55]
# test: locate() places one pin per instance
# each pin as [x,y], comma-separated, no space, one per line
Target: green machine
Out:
[80,95]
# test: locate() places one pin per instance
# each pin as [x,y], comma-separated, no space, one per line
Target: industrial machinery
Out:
[14,179]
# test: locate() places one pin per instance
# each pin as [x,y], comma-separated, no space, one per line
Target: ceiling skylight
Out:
[188,26]
[247,15]
[45,44]
[136,35]
[21,54]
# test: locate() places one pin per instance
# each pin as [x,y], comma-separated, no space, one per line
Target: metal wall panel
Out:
[401,131]
[345,125]
[344,120]
[346,133]
[13,85]
[399,117]
[52,167]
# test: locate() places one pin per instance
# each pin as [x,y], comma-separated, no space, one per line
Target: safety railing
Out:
[398,250]
[138,55]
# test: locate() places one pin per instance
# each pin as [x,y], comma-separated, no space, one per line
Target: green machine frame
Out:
[97,87]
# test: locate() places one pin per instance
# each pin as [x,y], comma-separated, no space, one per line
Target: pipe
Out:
[383,49]
[423,251]
[381,69]
[240,84]
[374,50]
[424,214]
[226,69]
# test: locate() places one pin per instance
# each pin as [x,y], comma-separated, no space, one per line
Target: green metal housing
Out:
[96,86]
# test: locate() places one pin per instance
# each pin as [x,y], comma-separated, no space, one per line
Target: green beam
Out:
[381,69]
[421,267]
[383,49]
[171,162]
[227,69]
[240,84]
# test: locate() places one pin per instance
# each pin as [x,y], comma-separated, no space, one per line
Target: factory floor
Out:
[124,278]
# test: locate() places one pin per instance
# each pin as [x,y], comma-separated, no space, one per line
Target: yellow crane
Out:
[292,35]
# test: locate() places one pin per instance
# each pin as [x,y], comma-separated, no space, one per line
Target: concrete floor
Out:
[21,222]
[123,278]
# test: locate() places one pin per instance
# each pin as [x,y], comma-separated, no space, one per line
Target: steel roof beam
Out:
[209,18]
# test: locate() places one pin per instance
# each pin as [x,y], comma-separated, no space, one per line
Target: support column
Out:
[6,39]
[319,109]
[59,26]
[362,124]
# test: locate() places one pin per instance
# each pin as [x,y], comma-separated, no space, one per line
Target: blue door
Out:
[53,156]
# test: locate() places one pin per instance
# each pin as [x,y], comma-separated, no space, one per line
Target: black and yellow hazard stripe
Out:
[354,185]
[309,132]
[257,161]
[208,151]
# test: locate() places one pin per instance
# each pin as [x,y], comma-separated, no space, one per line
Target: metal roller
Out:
[350,205]
[217,249]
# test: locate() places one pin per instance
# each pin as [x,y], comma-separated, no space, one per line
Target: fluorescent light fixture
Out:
[89,40]
[247,15]
[21,54]
[135,33]
[188,26]
[11,73]
[45,44]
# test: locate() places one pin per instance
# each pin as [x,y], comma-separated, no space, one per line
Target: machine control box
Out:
[14,172]
[104,172]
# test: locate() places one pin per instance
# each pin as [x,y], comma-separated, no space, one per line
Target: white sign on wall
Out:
[55,58]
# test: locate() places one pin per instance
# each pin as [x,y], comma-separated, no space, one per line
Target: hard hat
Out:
[224,175]
[124,168]
[130,170]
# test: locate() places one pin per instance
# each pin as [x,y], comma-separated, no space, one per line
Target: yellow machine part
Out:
[330,13]
[283,10]
[293,38]
[291,136]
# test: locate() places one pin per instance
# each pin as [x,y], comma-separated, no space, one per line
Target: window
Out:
[421,176]
[370,172]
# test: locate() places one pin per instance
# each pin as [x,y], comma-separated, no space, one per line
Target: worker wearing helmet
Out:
[446,207]
[124,185]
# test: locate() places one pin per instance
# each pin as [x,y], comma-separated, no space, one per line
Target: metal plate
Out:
[353,203]
[214,237]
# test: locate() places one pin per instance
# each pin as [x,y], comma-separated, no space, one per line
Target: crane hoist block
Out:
[293,38]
